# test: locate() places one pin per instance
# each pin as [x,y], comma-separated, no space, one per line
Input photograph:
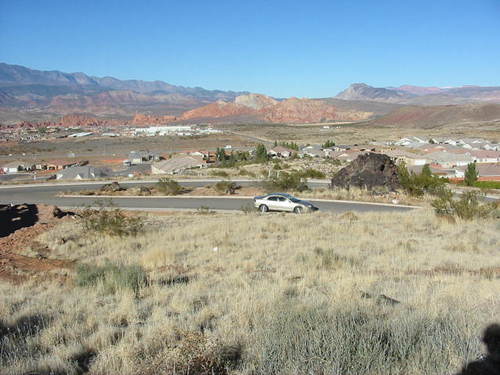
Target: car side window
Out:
[272,198]
[281,199]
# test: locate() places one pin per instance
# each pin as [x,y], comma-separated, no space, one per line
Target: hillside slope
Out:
[439,116]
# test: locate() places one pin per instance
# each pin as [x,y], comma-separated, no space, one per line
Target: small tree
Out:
[261,153]
[220,154]
[329,143]
[426,171]
[470,174]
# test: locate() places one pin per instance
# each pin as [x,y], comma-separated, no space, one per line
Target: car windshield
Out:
[295,200]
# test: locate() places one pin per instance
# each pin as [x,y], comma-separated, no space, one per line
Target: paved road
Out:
[47,193]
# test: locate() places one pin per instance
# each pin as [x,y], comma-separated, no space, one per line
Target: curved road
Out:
[47,194]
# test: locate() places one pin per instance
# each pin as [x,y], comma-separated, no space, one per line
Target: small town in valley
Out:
[250,188]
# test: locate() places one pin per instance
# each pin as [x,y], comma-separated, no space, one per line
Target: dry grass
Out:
[288,293]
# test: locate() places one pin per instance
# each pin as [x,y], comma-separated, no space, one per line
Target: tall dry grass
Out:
[374,293]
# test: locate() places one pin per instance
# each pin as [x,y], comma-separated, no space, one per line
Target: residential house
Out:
[314,151]
[484,156]
[281,152]
[438,171]
[86,172]
[488,172]
[177,165]
[409,158]
[139,157]
[57,165]
[16,166]
[448,159]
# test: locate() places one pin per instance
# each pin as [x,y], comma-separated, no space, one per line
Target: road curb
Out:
[226,197]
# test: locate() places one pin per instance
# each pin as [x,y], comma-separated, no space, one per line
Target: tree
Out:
[220,154]
[470,174]
[329,143]
[261,153]
[426,171]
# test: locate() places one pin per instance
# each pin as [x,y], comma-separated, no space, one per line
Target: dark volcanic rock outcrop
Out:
[368,171]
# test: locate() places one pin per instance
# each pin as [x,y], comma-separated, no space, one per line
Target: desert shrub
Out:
[248,208]
[112,222]
[226,187]
[362,339]
[312,173]
[114,277]
[286,181]
[416,184]
[219,173]
[468,206]
[195,353]
[168,186]
[244,172]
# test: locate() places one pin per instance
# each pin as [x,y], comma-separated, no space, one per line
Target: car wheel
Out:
[263,208]
[297,210]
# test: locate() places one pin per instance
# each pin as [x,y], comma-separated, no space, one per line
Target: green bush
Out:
[168,186]
[416,184]
[312,173]
[287,181]
[219,173]
[112,222]
[113,277]
[468,206]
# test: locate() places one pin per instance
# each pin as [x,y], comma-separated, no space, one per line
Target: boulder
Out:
[368,171]
[112,187]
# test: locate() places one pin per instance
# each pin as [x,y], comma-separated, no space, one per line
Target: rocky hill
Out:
[408,94]
[60,92]
[439,116]
[361,91]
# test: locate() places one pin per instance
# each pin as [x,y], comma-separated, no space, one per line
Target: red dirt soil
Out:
[17,268]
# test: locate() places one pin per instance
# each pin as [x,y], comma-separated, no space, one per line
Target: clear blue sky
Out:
[281,48]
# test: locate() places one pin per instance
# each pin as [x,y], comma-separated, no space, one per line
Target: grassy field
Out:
[258,294]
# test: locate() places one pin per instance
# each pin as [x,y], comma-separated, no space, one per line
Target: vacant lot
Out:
[252,294]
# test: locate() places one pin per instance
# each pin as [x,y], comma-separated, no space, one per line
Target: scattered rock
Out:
[368,171]
[144,190]
[112,187]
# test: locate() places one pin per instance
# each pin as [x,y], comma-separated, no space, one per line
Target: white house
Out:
[177,165]
[280,152]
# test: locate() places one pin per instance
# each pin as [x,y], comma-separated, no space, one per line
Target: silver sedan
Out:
[282,202]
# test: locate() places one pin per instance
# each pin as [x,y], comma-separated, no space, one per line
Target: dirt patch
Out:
[28,222]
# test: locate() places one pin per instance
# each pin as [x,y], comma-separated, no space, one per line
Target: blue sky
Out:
[281,48]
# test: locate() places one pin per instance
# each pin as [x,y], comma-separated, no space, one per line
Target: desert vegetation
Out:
[373,293]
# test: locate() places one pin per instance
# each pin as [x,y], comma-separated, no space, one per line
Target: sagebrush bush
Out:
[219,173]
[113,222]
[416,184]
[285,181]
[168,186]
[312,173]
[468,206]
[113,276]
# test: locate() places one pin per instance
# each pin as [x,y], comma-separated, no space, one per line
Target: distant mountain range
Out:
[35,95]
[421,95]
[60,92]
